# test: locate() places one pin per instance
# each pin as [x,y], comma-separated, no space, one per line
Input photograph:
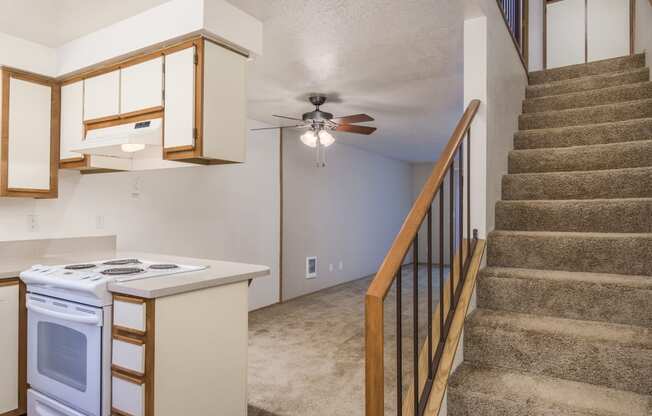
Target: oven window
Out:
[62,355]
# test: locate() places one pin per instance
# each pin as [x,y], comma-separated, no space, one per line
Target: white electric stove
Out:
[69,332]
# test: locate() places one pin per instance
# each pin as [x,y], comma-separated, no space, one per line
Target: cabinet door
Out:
[72,123]
[29,137]
[565,33]
[179,99]
[102,96]
[8,347]
[141,86]
[611,43]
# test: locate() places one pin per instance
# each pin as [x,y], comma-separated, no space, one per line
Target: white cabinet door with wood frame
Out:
[30,135]
[9,293]
[102,96]
[72,120]
[141,87]
[180,95]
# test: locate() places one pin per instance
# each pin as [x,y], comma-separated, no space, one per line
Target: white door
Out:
[64,352]
[72,119]
[9,348]
[607,29]
[179,98]
[565,33]
[30,116]
[102,96]
[141,86]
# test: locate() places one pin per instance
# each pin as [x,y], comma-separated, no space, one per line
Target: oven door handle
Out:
[90,320]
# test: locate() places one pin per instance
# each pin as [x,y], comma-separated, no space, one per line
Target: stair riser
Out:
[628,131]
[609,184]
[623,155]
[567,299]
[561,356]
[630,254]
[595,68]
[587,84]
[582,116]
[604,216]
[589,98]
[464,404]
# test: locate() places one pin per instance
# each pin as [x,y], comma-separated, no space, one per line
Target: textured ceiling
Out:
[398,61]
[54,22]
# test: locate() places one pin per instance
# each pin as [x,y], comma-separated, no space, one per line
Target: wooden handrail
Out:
[387,272]
[382,282]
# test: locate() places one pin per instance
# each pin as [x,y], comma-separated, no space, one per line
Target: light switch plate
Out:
[311,267]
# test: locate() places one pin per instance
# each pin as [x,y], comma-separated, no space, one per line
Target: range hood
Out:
[123,141]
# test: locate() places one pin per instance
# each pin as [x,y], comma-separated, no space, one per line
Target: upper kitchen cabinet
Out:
[102,96]
[29,128]
[205,104]
[141,87]
[72,120]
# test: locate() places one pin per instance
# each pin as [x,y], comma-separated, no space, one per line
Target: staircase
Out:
[564,318]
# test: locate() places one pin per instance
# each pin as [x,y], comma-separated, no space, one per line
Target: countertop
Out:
[216,274]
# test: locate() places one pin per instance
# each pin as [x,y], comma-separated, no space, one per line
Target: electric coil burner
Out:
[163,266]
[79,266]
[121,262]
[119,271]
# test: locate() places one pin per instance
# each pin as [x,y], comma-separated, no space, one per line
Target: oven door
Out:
[64,358]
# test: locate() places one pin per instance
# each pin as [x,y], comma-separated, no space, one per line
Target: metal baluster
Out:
[415,307]
[441,263]
[451,232]
[430,292]
[468,194]
[399,346]
[461,214]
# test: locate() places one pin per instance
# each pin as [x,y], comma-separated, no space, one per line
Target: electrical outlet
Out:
[99,222]
[32,223]
[330,267]
[341,265]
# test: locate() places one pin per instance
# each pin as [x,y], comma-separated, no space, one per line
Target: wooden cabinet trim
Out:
[127,339]
[116,412]
[127,377]
[9,282]
[55,120]
[128,373]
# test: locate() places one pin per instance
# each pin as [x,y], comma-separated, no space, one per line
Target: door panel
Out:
[141,86]
[72,123]
[179,98]
[30,117]
[608,43]
[102,96]
[565,34]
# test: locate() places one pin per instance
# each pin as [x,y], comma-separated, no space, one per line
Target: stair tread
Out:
[569,82]
[589,98]
[547,393]
[584,69]
[602,332]
[621,280]
[571,234]
[642,102]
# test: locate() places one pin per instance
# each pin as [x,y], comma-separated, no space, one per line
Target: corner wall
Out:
[643,39]
[349,211]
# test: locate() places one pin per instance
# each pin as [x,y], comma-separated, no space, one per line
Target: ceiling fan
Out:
[320,123]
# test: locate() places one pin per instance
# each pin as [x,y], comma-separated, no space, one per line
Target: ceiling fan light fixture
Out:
[309,138]
[325,138]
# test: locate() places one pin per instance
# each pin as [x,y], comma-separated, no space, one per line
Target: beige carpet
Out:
[306,356]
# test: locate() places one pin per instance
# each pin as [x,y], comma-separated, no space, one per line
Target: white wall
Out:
[28,56]
[643,38]
[350,210]
[535,47]
[229,212]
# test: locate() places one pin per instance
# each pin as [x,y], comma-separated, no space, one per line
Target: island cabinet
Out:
[29,130]
[181,354]
[13,368]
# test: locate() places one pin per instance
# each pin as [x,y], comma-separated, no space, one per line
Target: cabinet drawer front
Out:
[102,96]
[30,116]
[141,86]
[129,314]
[127,396]
[129,355]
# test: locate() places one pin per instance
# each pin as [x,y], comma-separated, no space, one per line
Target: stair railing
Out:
[464,259]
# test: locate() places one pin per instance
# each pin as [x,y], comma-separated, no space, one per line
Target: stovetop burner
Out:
[117,271]
[163,266]
[79,266]
[121,262]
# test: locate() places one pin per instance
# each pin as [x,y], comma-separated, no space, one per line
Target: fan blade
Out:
[356,118]
[279,127]
[287,118]
[350,128]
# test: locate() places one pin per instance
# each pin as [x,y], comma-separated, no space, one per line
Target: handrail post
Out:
[374,357]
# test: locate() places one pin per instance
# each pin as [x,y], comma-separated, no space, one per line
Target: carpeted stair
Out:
[564,319]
